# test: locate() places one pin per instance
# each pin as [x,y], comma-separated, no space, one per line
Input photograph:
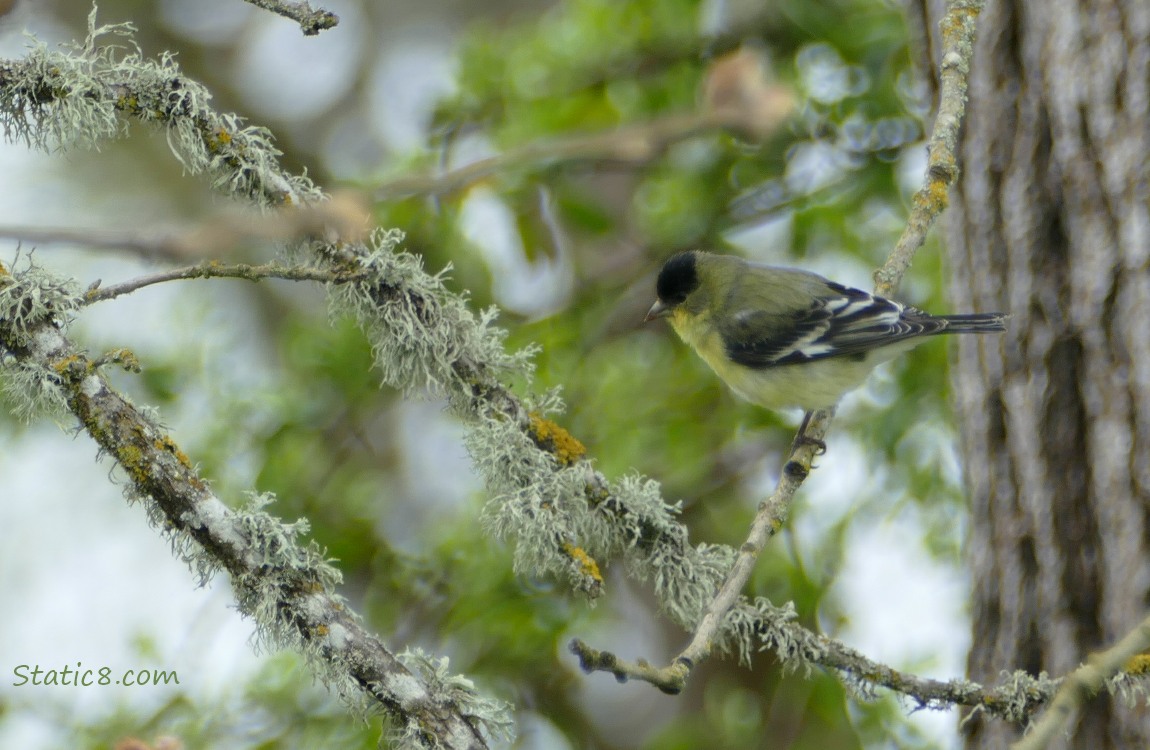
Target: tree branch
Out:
[1014,700]
[213,269]
[768,521]
[1083,684]
[310,21]
[52,98]
[286,589]
[958,29]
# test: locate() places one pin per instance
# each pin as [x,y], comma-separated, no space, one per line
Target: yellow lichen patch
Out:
[64,366]
[126,358]
[319,631]
[1138,665]
[131,458]
[165,443]
[218,138]
[555,440]
[939,194]
[586,563]
[128,104]
[934,196]
[955,22]
[595,494]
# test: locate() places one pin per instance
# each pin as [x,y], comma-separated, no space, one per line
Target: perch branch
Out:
[311,22]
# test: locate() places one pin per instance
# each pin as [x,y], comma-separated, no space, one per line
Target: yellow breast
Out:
[812,385]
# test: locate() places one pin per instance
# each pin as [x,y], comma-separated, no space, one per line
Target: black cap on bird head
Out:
[678,278]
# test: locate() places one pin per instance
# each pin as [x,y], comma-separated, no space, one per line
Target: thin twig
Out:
[1015,699]
[1082,684]
[213,269]
[310,21]
[768,521]
[958,28]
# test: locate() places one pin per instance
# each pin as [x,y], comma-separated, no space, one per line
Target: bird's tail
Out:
[973,323]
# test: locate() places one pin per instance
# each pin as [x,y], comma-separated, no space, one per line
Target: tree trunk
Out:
[1050,222]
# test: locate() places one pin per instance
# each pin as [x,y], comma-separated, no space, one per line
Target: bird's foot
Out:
[801,440]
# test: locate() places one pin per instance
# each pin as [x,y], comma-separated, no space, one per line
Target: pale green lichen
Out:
[276,569]
[530,499]
[30,391]
[30,298]
[456,693]
[1131,688]
[424,338]
[276,563]
[82,94]
[1017,693]
[656,546]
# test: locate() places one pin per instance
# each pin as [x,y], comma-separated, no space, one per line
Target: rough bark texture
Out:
[1050,221]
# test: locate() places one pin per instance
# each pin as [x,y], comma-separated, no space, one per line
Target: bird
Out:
[785,337]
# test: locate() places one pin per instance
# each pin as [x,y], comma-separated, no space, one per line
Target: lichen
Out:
[555,440]
[79,96]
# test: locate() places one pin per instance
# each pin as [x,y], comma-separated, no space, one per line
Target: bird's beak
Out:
[658,310]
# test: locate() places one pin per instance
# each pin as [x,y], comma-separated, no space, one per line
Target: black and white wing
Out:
[845,323]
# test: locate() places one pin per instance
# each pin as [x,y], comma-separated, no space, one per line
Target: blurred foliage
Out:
[569,249]
[273,709]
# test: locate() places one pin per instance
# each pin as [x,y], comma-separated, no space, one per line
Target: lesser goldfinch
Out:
[783,337]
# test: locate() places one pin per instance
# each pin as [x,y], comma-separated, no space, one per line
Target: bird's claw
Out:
[820,445]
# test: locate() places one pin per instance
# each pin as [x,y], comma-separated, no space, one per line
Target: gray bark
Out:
[1050,221]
